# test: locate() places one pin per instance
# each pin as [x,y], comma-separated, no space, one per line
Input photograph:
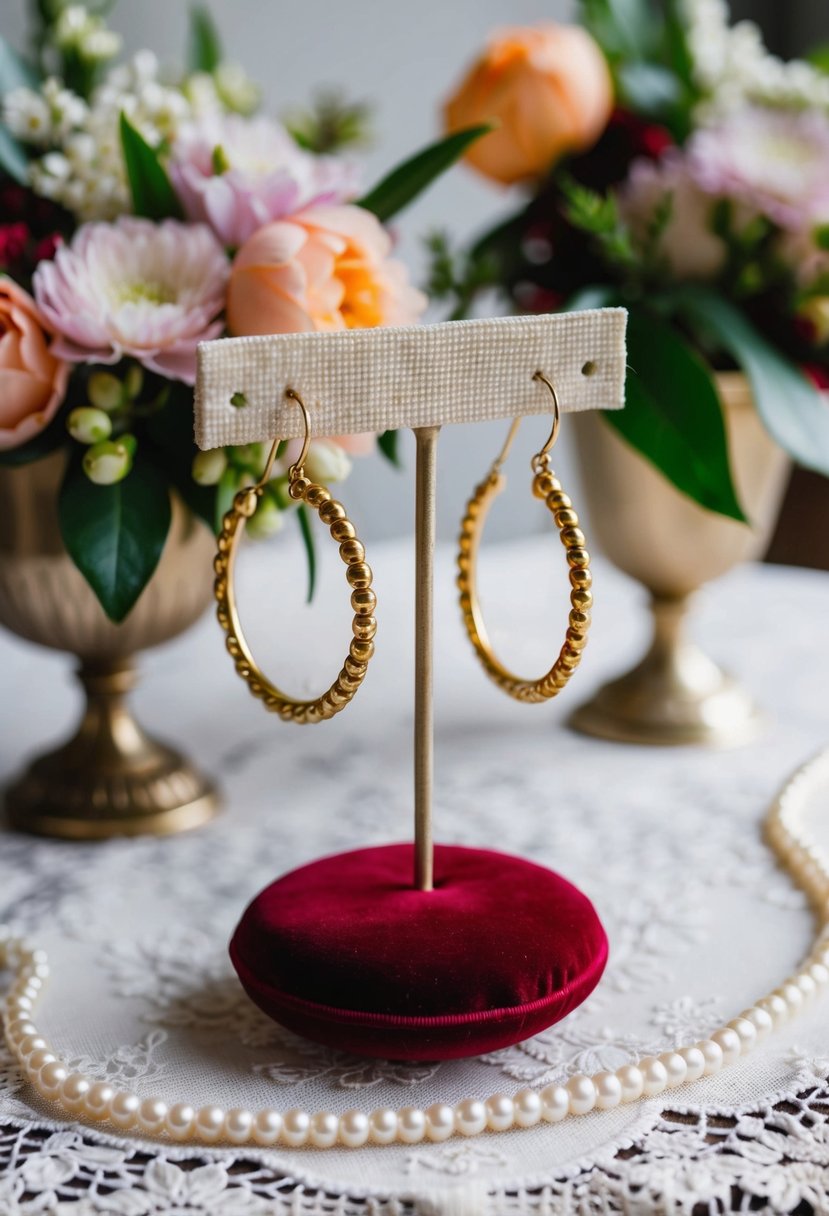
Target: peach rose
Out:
[323,268]
[32,379]
[548,88]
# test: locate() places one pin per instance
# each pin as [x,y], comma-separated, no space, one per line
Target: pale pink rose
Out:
[134,287]
[688,246]
[325,268]
[32,378]
[237,174]
[774,161]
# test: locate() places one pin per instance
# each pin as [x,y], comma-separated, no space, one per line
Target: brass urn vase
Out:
[111,778]
[672,546]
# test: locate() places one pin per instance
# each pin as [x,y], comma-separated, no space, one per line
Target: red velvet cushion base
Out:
[346,952]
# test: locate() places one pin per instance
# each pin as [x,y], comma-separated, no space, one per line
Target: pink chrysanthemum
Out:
[773,161]
[134,287]
[237,174]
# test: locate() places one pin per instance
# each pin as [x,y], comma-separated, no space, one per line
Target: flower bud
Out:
[208,467]
[134,380]
[267,521]
[105,391]
[107,463]
[326,462]
[89,425]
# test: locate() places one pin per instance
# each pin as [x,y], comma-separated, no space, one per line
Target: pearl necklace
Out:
[81,1096]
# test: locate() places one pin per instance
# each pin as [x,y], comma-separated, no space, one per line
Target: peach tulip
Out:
[32,379]
[548,89]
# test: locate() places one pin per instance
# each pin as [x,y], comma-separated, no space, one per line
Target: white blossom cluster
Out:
[732,65]
[82,166]
[84,33]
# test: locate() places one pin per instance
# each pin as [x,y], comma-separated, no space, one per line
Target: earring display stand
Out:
[421,378]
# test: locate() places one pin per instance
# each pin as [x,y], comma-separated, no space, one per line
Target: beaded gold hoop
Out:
[547,486]
[358,573]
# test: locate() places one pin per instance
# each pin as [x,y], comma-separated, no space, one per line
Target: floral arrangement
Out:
[141,214]
[675,167]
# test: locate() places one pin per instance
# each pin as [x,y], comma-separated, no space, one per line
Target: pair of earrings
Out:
[545,485]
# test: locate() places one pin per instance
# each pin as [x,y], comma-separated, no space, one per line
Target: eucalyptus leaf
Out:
[673,415]
[152,194]
[408,180]
[13,158]
[793,410]
[115,534]
[15,72]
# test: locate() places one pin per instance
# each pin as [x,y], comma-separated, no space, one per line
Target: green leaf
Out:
[819,57]
[115,534]
[410,178]
[12,158]
[621,27]
[310,549]
[387,443]
[15,73]
[673,415]
[152,194]
[649,88]
[594,296]
[205,47]
[794,412]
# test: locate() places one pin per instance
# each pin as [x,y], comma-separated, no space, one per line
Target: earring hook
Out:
[269,463]
[513,431]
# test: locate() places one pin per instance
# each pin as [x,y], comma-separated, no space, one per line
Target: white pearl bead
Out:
[180,1121]
[238,1125]
[98,1101]
[353,1128]
[555,1103]
[806,984]
[440,1122]
[37,1059]
[746,1032]
[632,1082]
[324,1129]
[608,1090]
[210,1123]
[470,1117]
[383,1126]
[713,1055]
[30,1043]
[411,1124]
[729,1042]
[760,1019]
[582,1093]
[694,1062]
[500,1112]
[124,1109]
[675,1067]
[775,1007]
[51,1077]
[654,1076]
[151,1115]
[527,1107]
[296,1125]
[793,997]
[267,1127]
[74,1090]
[819,974]
[19,1028]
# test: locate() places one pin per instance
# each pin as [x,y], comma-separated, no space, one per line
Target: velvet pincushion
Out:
[347,952]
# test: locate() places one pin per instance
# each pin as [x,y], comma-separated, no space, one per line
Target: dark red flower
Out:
[13,199]
[626,138]
[46,248]
[14,239]
[818,373]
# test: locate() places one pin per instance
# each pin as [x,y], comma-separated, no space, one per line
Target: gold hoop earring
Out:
[547,486]
[358,573]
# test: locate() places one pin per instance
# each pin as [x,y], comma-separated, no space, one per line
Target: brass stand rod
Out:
[427,440]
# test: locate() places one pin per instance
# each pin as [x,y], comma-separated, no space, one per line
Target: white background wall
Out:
[403,58]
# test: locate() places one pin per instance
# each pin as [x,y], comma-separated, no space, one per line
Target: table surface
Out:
[666,843]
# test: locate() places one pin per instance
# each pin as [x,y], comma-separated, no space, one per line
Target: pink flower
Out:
[237,174]
[32,379]
[773,161]
[133,287]
[326,268]
[688,246]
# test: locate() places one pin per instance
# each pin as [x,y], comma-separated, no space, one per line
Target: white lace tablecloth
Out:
[666,843]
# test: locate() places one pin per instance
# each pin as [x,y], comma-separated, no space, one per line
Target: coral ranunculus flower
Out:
[134,287]
[548,88]
[325,268]
[32,379]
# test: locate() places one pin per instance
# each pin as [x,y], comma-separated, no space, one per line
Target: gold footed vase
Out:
[676,694]
[111,778]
